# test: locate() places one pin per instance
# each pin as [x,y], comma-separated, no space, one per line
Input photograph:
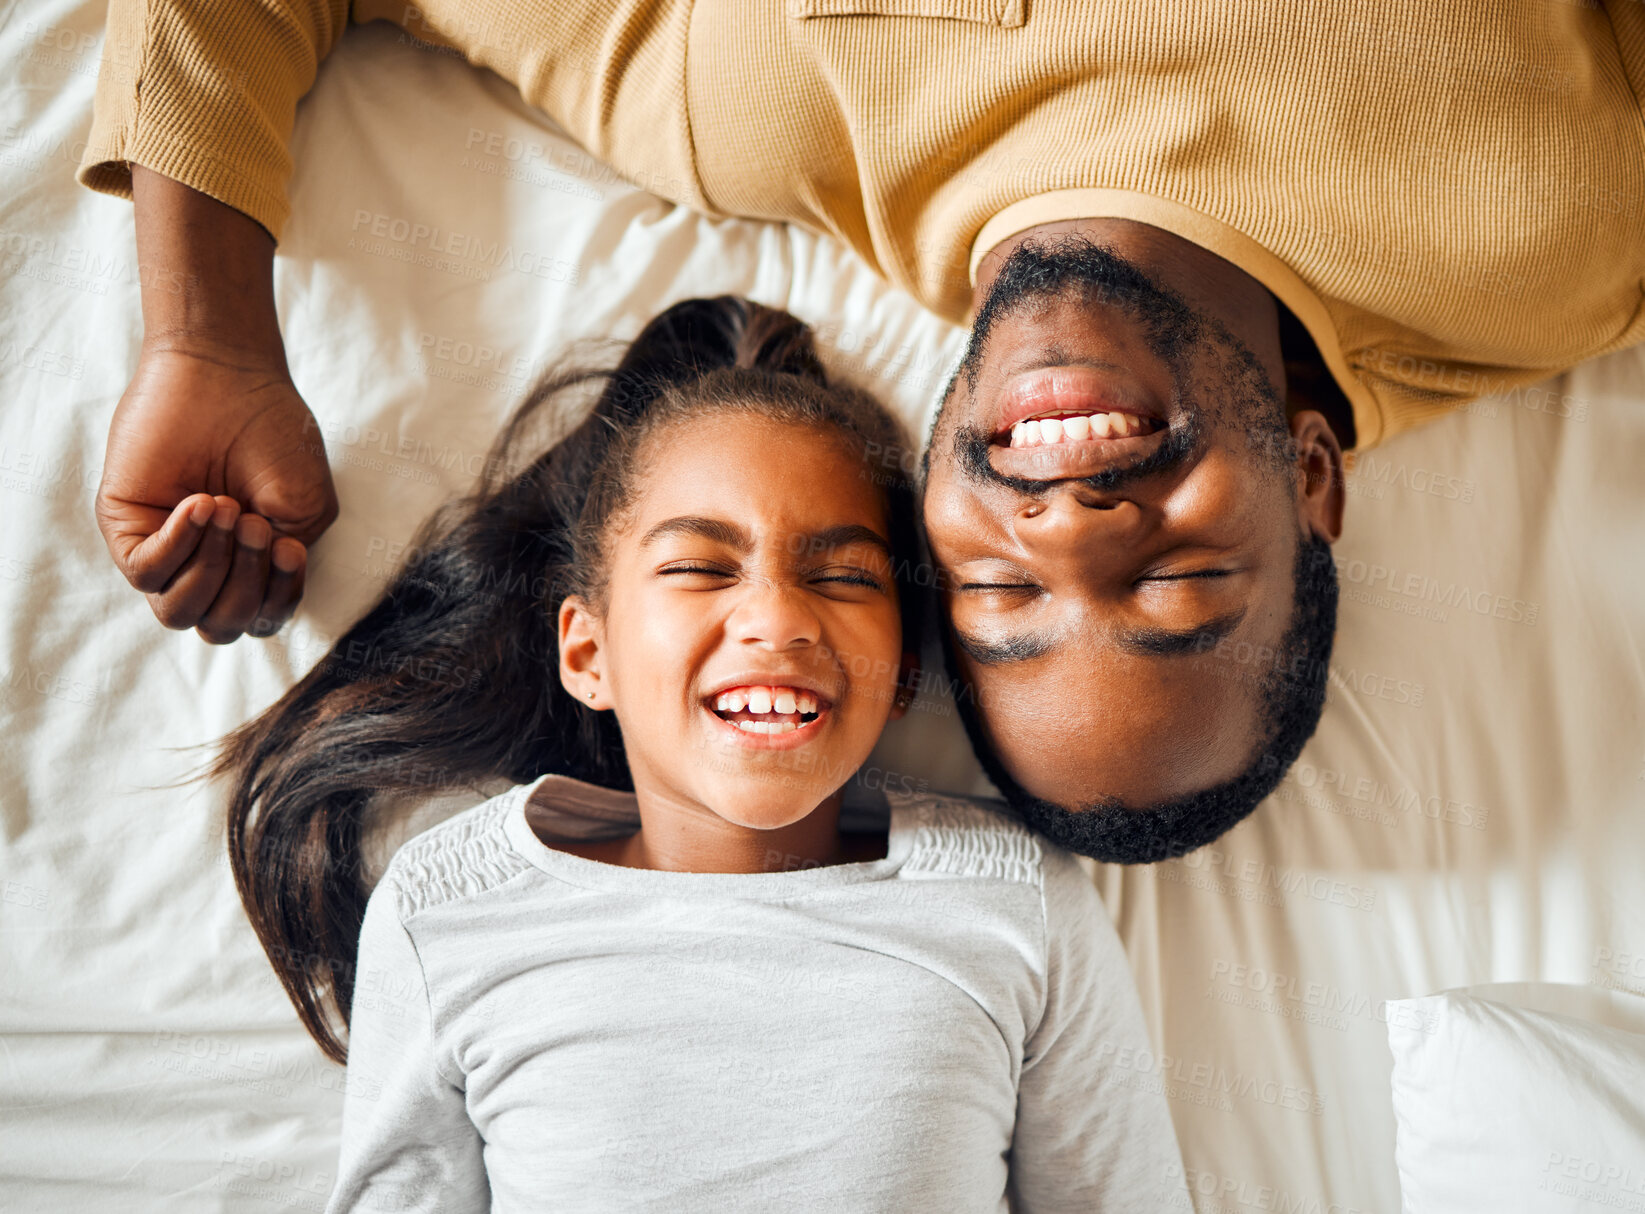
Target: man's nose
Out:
[1080,521]
[774,616]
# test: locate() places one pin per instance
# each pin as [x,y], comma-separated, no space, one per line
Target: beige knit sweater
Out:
[1449,194]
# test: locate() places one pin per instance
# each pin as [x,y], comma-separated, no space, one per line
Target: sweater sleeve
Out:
[407,1144]
[206,94]
[1093,1130]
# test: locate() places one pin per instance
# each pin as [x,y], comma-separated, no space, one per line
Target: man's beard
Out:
[1290,699]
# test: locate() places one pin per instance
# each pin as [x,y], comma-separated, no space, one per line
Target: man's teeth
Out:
[1042,431]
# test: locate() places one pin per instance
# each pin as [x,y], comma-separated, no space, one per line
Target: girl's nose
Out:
[775,617]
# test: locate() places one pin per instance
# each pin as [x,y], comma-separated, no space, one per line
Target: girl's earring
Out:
[591,695]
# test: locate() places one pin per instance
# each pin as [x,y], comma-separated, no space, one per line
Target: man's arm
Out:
[215,478]
[212,456]
[206,94]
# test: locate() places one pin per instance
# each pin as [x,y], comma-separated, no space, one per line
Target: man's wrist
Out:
[206,273]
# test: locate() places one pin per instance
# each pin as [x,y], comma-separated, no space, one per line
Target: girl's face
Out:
[751,642]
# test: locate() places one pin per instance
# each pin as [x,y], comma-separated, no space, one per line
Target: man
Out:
[1173,582]
[1206,249]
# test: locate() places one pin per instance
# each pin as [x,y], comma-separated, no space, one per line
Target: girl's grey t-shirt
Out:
[951,1028]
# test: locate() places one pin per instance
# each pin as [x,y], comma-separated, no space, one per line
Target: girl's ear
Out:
[580,642]
[908,678]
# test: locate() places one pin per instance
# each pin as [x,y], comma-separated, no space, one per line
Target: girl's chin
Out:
[769,781]
[744,806]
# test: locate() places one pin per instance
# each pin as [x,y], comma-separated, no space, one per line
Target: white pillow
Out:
[1519,1097]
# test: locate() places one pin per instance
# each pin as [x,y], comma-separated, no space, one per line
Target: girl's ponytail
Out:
[452,677]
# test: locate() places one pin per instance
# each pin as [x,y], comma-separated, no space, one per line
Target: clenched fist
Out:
[214,483]
[215,479]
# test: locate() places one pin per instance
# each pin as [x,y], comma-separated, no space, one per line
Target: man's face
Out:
[1115,590]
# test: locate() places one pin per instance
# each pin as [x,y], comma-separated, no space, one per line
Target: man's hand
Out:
[204,422]
[215,479]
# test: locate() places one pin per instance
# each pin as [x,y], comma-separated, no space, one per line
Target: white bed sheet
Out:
[1470,810]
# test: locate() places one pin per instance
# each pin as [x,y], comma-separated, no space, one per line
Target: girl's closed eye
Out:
[850,575]
[689,573]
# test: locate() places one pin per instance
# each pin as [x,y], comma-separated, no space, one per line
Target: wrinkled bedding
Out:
[1472,809]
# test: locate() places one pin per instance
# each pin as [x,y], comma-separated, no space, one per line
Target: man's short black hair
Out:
[1291,692]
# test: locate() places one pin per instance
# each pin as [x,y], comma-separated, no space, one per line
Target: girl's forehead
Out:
[754,467]
[744,428]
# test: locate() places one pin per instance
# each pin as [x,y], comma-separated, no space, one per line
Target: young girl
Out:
[692,613]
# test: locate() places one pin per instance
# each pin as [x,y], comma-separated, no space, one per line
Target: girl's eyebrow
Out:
[718,530]
[738,538]
[844,535]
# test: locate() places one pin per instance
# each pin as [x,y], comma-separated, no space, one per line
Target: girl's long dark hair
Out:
[452,678]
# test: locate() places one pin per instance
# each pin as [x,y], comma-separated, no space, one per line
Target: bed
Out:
[1472,809]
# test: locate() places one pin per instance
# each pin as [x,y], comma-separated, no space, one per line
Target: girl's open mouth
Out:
[760,712]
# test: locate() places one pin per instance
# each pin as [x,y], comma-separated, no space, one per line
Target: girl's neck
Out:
[692,839]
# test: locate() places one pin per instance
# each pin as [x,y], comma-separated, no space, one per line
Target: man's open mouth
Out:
[768,709]
[1062,426]
[1070,446]
[1067,422]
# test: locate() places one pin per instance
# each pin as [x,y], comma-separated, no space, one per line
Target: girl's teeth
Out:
[776,701]
[1043,431]
[767,726]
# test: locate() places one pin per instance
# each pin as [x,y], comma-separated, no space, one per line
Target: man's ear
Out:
[908,678]
[1321,492]
[581,639]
